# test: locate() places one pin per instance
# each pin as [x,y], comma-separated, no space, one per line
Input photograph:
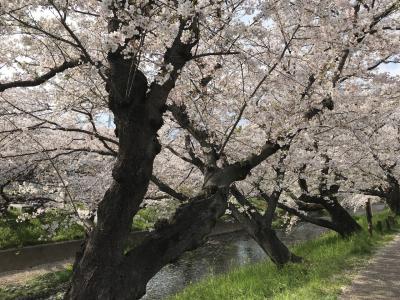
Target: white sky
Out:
[391,68]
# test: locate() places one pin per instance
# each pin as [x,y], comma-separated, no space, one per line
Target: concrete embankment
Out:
[31,256]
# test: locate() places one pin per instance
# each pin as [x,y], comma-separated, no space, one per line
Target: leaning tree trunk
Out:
[274,247]
[187,230]
[342,221]
[265,237]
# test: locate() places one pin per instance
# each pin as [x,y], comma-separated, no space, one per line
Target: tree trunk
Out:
[392,199]
[274,248]
[342,221]
[97,269]
[266,238]
[368,212]
[185,231]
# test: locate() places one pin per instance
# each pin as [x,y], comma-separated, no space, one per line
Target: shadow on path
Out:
[380,279]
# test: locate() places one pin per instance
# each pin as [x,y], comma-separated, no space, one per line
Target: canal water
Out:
[220,254]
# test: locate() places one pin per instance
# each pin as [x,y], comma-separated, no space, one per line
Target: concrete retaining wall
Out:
[28,257]
[31,256]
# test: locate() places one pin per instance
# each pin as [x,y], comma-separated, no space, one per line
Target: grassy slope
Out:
[328,260]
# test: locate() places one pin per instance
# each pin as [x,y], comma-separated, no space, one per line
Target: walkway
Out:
[380,279]
[23,276]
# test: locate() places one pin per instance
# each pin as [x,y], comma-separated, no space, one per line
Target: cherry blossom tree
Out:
[152,36]
[371,141]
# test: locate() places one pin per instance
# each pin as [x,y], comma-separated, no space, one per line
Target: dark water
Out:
[218,255]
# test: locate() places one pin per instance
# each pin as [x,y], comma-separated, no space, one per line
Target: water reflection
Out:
[219,255]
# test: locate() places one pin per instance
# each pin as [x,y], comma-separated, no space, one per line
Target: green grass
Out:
[33,231]
[43,286]
[329,261]
[144,219]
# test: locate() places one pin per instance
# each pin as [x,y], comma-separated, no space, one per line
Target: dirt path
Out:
[380,279]
[22,276]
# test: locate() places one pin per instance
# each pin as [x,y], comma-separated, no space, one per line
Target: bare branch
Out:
[43,78]
[163,187]
[214,54]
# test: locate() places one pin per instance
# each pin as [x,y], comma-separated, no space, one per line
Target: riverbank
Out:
[220,255]
[329,262]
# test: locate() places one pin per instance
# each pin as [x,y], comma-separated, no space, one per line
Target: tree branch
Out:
[43,78]
[163,187]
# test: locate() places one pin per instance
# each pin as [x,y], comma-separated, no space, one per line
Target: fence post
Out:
[368,212]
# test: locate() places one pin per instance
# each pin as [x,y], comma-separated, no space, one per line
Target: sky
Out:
[391,68]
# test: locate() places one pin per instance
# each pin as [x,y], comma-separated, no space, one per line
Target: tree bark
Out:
[94,274]
[393,201]
[392,198]
[368,213]
[186,231]
[266,238]
[391,194]
[274,247]
[342,221]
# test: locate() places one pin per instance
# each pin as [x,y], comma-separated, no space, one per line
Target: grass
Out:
[329,261]
[14,233]
[50,284]
[145,219]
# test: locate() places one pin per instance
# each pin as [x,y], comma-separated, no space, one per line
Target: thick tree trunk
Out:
[138,111]
[390,194]
[394,204]
[186,231]
[342,221]
[96,271]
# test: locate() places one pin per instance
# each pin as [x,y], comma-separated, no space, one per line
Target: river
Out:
[220,254]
